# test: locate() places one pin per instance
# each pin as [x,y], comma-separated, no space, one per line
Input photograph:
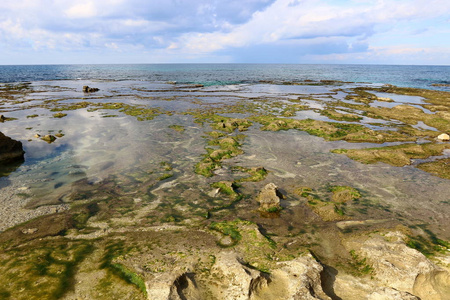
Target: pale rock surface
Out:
[298,279]
[401,268]
[391,294]
[443,137]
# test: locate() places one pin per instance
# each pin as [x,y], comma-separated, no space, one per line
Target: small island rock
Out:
[88,89]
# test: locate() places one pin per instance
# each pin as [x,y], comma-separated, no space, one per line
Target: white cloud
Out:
[216,29]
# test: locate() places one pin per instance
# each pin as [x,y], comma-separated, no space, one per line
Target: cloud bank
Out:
[288,31]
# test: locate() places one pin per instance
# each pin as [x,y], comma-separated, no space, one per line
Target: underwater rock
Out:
[269,198]
[10,150]
[443,137]
[88,89]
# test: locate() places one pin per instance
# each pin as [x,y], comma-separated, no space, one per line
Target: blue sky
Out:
[232,31]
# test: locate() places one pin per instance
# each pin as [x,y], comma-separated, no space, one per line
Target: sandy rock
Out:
[391,294]
[295,279]
[434,285]
[10,150]
[402,268]
[443,137]
[269,197]
[236,280]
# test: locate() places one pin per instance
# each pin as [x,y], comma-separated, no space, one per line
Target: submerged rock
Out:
[443,137]
[10,150]
[269,198]
[88,89]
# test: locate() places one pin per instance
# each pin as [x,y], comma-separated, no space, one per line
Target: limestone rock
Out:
[443,137]
[88,89]
[10,150]
[295,279]
[237,281]
[269,198]
[434,285]
[402,268]
[391,294]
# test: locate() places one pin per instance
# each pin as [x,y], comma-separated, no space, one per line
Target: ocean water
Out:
[222,74]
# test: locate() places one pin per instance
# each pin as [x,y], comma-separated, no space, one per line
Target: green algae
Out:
[398,156]
[440,167]
[178,128]
[59,115]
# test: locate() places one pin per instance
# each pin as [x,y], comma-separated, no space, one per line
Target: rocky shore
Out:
[292,190]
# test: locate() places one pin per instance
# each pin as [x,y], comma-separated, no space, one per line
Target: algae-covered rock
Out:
[269,198]
[10,150]
[48,138]
[88,89]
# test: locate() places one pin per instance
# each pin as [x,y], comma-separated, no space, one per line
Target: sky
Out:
[413,32]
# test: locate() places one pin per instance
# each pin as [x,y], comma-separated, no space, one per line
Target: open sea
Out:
[222,74]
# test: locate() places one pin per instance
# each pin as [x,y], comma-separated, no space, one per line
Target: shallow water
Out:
[96,148]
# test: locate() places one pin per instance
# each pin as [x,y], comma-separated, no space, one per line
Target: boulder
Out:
[443,137]
[88,89]
[10,150]
[49,138]
[269,198]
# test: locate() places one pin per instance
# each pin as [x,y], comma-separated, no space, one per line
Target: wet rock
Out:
[49,138]
[37,135]
[88,89]
[2,118]
[443,137]
[269,198]
[10,150]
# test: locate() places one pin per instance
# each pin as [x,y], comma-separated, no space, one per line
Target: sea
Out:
[429,77]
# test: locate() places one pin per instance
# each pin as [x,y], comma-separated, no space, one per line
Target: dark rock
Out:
[10,150]
[88,89]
